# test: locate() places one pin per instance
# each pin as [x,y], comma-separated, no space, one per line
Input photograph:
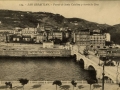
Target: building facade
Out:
[29,31]
[2,37]
[97,40]
[58,35]
[107,37]
[41,37]
[82,37]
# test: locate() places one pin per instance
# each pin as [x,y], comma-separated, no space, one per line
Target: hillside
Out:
[115,33]
[10,19]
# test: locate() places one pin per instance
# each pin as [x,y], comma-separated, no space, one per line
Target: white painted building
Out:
[48,44]
[107,36]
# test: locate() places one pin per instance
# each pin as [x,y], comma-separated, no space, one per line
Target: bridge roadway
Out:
[91,63]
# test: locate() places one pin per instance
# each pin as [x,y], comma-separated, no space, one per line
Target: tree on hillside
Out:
[23,81]
[73,83]
[57,82]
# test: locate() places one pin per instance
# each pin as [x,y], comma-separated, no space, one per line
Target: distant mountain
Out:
[10,19]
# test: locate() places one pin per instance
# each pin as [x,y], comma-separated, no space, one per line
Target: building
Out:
[82,37]
[107,37]
[41,37]
[94,39]
[49,35]
[29,31]
[48,44]
[48,27]
[3,37]
[16,38]
[40,28]
[58,35]
[97,39]
[26,38]
[17,31]
[7,31]
[67,34]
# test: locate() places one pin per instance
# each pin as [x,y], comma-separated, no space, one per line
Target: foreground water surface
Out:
[41,69]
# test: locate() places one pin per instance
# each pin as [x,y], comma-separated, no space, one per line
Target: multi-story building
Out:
[107,37]
[82,37]
[48,44]
[16,38]
[29,31]
[11,31]
[67,34]
[7,31]
[49,35]
[17,31]
[26,38]
[97,39]
[58,35]
[42,36]
[2,37]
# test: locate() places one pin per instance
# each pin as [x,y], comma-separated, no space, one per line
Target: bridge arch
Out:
[81,63]
[75,57]
[92,72]
[90,67]
[106,77]
[109,77]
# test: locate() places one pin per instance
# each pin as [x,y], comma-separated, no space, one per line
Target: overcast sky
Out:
[96,11]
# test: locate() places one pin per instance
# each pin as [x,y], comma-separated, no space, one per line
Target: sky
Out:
[103,12]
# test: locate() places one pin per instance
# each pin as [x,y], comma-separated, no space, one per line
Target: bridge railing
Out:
[105,81]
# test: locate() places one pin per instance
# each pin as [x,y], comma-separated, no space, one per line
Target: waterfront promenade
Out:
[64,86]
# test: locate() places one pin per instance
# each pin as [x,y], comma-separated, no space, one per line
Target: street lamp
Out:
[117,64]
[103,78]
[106,58]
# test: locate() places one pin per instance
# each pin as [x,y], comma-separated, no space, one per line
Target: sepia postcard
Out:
[60,44]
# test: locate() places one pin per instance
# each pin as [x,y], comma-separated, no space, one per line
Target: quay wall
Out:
[36,53]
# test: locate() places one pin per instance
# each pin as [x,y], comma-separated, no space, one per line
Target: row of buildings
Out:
[95,39]
[38,35]
[32,34]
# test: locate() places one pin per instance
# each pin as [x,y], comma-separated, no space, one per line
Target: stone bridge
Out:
[111,72]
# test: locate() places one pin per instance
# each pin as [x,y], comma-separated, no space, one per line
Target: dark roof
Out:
[56,31]
[26,36]
[85,30]
[16,36]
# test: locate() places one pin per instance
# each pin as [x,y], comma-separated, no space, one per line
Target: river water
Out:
[41,69]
